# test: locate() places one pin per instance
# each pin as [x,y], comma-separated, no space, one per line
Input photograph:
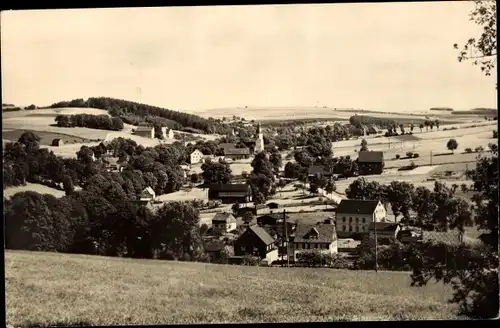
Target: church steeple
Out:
[258,129]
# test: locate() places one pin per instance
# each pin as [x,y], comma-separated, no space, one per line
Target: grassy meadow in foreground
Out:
[51,288]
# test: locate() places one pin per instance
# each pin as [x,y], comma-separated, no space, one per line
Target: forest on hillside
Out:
[136,113]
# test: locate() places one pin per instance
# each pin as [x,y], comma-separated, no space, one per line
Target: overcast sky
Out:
[387,56]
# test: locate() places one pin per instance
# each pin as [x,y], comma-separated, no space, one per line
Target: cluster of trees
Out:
[103,122]
[262,178]
[216,172]
[438,209]
[124,108]
[97,221]
[360,120]
[157,167]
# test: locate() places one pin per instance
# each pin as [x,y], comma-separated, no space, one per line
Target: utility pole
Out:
[286,239]
[376,244]
[431,157]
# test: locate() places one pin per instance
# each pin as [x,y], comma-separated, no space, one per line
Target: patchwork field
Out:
[62,289]
[320,112]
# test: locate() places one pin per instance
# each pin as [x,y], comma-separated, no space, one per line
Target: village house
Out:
[272,219]
[256,241]
[224,222]
[113,164]
[145,131]
[236,153]
[353,216]
[214,249]
[370,162]
[260,209]
[317,170]
[57,142]
[147,195]
[385,231]
[230,193]
[195,157]
[321,236]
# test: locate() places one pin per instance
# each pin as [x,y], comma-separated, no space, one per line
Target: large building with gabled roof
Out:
[353,216]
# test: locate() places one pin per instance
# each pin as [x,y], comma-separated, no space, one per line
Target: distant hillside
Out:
[478,111]
[443,109]
[134,113]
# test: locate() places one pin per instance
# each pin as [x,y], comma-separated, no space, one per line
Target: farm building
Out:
[57,142]
[224,222]
[257,242]
[272,219]
[321,236]
[384,230]
[353,216]
[145,131]
[370,162]
[236,153]
[112,164]
[196,156]
[230,193]
[316,170]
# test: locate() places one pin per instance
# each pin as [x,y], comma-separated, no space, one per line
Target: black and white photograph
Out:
[273,163]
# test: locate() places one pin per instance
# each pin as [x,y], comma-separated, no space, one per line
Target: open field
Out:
[318,112]
[46,138]
[51,288]
[11,191]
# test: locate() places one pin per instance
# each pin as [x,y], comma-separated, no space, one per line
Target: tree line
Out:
[102,122]
[124,108]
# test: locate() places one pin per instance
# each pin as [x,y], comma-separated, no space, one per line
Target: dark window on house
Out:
[343,219]
[350,228]
[364,220]
[357,220]
[350,219]
[316,246]
[343,228]
[357,229]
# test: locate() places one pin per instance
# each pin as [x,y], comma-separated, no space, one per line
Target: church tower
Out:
[259,142]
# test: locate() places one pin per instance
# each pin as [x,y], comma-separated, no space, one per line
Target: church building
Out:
[259,141]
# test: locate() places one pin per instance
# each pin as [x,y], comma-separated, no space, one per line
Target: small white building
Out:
[224,222]
[147,195]
[196,156]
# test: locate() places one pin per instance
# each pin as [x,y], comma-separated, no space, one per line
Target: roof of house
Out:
[317,169]
[236,151]
[149,190]
[325,233]
[227,145]
[196,151]
[383,226]
[370,157]
[448,237]
[275,216]
[144,128]
[225,217]
[235,187]
[357,206]
[262,234]
[260,206]
[112,160]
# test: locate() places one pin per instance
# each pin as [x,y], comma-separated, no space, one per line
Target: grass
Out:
[51,288]
[46,138]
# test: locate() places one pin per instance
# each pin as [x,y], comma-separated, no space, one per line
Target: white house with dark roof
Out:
[224,222]
[196,156]
[321,237]
[353,216]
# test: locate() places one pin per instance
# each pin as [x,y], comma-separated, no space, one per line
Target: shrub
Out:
[468,150]
[409,154]
[479,149]
[415,155]
[398,156]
